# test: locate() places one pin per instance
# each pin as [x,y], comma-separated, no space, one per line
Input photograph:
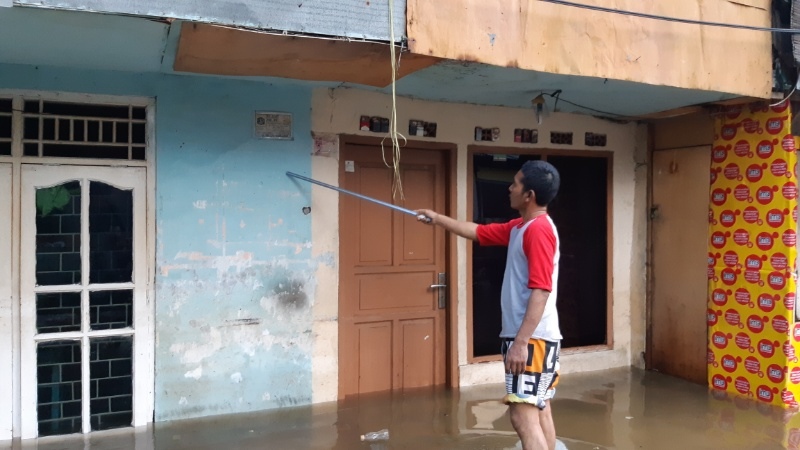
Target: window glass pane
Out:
[110,234]
[58,312]
[58,398]
[58,234]
[111,309]
[5,126]
[111,376]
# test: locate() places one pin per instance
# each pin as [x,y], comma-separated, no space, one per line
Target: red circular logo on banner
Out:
[778,261]
[754,172]
[775,373]
[775,217]
[780,324]
[766,302]
[776,280]
[775,125]
[756,324]
[728,132]
[752,276]
[742,296]
[741,192]
[711,318]
[731,171]
[742,385]
[731,258]
[750,126]
[794,375]
[766,348]
[788,143]
[728,276]
[789,191]
[740,236]
[727,218]
[752,365]
[718,239]
[765,393]
[750,214]
[788,301]
[764,195]
[765,241]
[788,349]
[719,382]
[729,363]
[742,149]
[765,148]
[789,238]
[732,317]
[753,262]
[719,154]
[719,297]
[719,339]
[718,196]
[778,168]
[743,341]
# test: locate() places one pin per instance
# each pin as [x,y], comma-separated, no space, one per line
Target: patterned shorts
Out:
[538,383]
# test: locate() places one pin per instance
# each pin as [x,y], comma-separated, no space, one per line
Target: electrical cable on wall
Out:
[672,19]
[397,184]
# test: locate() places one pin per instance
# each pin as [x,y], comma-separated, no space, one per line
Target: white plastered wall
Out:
[337,111]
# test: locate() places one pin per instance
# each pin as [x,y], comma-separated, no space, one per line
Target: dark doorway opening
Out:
[581,214]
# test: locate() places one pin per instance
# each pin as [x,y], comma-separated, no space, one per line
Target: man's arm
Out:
[518,353]
[464,229]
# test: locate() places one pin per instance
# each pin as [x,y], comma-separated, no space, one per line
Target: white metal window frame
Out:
[11,375]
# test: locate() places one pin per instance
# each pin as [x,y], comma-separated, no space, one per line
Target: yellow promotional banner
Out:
[753,339]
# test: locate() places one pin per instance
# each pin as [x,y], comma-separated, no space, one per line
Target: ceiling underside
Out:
[107,42]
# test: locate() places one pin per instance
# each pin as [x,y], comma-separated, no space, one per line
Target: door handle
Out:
[441,285]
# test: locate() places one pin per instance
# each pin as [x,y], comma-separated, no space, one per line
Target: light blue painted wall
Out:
[234,274]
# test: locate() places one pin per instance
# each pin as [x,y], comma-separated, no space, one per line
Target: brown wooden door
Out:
[680,248]
[391,328]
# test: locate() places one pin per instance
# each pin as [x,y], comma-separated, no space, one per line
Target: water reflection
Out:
[618,409]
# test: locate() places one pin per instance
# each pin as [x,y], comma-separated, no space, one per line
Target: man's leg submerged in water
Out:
[535,427]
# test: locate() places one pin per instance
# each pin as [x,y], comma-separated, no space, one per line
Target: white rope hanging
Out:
[397,184]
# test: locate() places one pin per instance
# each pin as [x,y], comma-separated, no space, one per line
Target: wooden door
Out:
[392,328]
[680,247]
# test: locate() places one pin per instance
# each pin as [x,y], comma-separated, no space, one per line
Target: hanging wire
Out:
[672,19]
[397,184]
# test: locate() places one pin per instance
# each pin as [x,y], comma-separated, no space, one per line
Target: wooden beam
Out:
[218,50]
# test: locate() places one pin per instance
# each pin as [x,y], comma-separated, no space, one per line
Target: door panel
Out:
[375,363]
[395,291]
[6,340]
[680,248]
[85,328]
[419,357]
[392,331]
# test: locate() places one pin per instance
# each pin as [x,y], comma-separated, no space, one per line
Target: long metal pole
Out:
[361,196]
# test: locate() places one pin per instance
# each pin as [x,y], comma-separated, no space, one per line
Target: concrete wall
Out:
[337,111]
[235,277]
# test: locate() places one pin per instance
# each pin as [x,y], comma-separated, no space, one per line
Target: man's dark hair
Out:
[541,178]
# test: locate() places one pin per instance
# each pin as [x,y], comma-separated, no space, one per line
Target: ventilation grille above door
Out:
[75,130]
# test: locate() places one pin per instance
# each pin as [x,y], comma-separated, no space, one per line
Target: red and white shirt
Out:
[532,263]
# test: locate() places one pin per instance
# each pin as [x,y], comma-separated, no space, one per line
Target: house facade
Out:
[158,263]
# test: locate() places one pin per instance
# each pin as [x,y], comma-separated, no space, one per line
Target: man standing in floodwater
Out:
[530,337]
